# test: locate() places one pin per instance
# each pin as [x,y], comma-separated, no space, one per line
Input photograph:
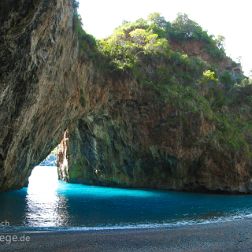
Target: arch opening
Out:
[45,175]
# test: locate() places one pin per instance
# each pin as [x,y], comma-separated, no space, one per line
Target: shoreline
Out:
[223,236]
[148,226]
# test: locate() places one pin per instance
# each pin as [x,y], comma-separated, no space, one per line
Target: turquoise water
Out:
[49,203]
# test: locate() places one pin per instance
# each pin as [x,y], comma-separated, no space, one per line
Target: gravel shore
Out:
[227,236]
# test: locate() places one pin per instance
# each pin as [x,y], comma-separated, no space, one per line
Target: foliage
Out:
[157,20]
[87,43]
[75,4]
[186,99]
[144,50]
[229,133]
[245,82]
[220,42]
[130,41]
[184,29]
[226,78]
[133,40]
[209,76]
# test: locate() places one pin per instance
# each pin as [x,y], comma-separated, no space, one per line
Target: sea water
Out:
[51,204]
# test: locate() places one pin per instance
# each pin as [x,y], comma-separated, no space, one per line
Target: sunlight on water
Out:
[48,199]
[45,206]
[43,180]
[50,203]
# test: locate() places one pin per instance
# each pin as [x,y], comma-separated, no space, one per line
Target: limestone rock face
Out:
[137,141]
[38,91]
[116,130]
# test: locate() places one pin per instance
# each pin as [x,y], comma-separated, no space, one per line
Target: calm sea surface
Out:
[51,204]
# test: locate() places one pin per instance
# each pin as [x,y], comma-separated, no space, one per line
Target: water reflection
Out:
[48,202]
[45,207]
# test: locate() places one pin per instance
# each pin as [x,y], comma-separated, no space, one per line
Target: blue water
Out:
[49,203]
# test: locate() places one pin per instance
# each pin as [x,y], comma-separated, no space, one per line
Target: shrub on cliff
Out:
[185,29]
[226,79]
[87,43]
[130,41]
[133,44]
[144,49]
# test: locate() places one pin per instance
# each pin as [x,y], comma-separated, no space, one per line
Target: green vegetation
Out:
[126,46]
[245,82]
[152,36]
[87,43]
[229,134]
[184,29]
[209,76]
[160,55]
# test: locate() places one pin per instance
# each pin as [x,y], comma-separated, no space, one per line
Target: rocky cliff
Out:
[38,97]
[46,85]
[138,141]
[140,115]
[156,133]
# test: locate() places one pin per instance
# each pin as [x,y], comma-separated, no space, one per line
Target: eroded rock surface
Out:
[38,97]
[117,130]
[140,142]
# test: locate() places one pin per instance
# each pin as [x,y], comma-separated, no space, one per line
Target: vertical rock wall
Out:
[137,140]
[39,93]
[119,131]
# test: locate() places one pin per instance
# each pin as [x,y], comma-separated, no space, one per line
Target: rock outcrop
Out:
[38,87]
[138,141]
[116,130]
[155,134]
[45,86]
